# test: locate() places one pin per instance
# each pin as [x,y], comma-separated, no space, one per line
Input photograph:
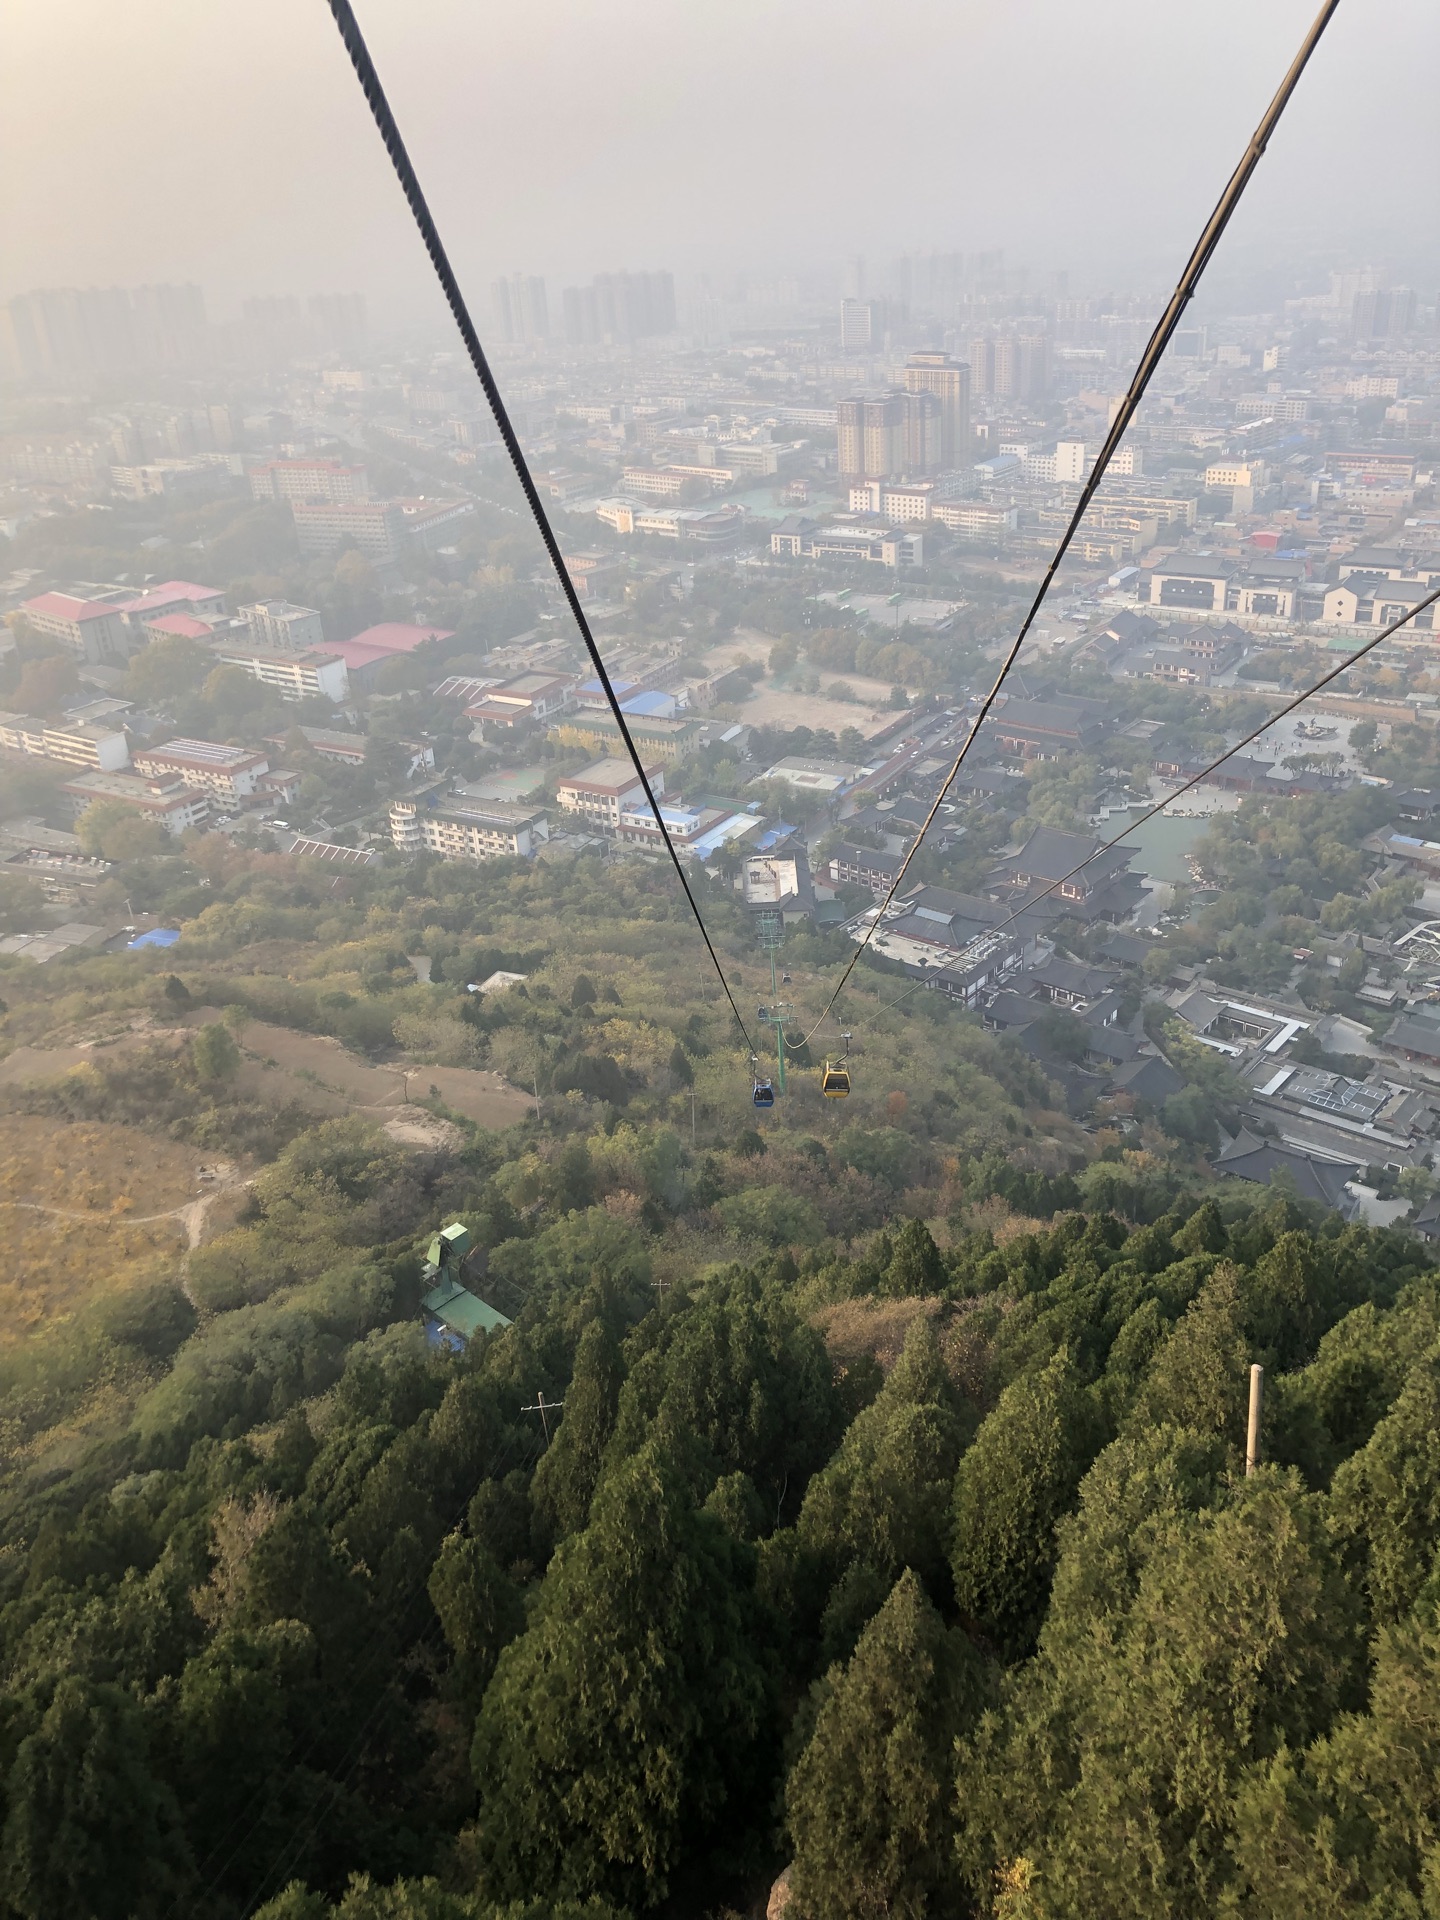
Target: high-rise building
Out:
[618,308]
[340,320]
[860,325]
[521,310]
[68,330]
[1381,313]
[880,435]
[949,381]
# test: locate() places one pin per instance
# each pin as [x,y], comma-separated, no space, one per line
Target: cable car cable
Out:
[430,234]
[1196,779]
[1149,361]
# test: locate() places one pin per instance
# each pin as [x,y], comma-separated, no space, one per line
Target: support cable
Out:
[1149,361]
[430,234]
[1196,779]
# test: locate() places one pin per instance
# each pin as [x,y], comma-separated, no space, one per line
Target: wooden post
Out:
[1252,1433]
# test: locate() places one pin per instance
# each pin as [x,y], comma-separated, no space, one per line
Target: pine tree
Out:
[622,1726]
[569,1471]
[868,1803]
[1014,1483]
[882,1500]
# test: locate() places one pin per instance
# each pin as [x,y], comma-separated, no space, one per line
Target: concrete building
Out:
[601,793]
[327,480]
[294,676]
[231,774]
[462,828]
[281,627]
[74,746]
[172,804]
[882,546]
[533,696]
[987,520]
[93,629]
[898,500]
[949,381]
[375,528]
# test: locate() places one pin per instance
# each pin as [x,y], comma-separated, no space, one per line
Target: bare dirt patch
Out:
[85,1207]
[771,707]
[414,1127]
[314,1071]
[482,1096]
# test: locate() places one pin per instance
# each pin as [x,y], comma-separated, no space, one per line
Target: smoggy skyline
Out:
[232,147]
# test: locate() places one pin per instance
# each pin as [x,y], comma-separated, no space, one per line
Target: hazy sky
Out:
[229,144]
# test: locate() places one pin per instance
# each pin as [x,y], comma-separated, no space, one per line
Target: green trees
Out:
[882,1502]
[1188,1643]
[89,1830]
[624,1725]
[214,1054]
[480,1611]
[868,1803]
[569,1470]
[1018,1478]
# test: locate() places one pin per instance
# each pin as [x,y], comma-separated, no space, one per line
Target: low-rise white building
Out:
[172,804]
[231,774]
[602,792]
[462,828]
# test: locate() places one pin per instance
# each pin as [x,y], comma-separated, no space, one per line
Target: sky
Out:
[230,145]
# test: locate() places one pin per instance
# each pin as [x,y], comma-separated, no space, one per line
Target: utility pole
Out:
[771,931]
[544,1408]
[692,1119]
[1252,1432]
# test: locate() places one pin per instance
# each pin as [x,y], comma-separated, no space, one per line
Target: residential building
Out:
[282,627]
[985,520]
[425,519]
[172,804]
[327,480]
[231,774]
[522,313]
[897,500]
[294,676]
[864,867]
[861,325]
[94,629]
[74,745]
[186,598]
[375,528]
[949,381]
[617,308]
[531,697]
[602,792]
[462,828]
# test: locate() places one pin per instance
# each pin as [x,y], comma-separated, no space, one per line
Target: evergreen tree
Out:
[89,1831]
[916,1267]
[1014,1484]
[868,1802]
[569,1470]
[480,1612]
[1198,1378]
[1385,1501]
[882,1501]
[622,1726]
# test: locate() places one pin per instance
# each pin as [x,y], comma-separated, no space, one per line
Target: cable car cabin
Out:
[764,1094]
[835,1082]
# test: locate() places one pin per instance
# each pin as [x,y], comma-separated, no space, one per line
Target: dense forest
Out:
[853,1518]
[933,1574]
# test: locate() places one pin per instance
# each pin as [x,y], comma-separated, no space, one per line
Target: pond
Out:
[1162,844]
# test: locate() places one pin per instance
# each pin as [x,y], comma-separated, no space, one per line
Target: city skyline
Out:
[582,128]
